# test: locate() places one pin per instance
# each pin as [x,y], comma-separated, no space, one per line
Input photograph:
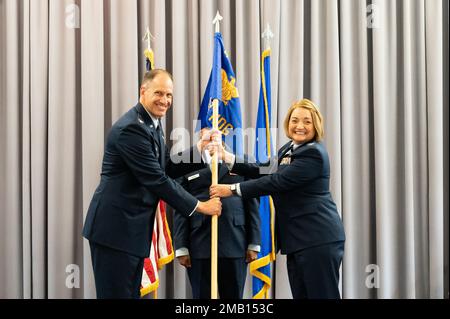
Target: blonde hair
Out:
[317,118]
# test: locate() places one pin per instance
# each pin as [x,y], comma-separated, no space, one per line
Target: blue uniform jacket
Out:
[133,180]
[306,215]
[238,225]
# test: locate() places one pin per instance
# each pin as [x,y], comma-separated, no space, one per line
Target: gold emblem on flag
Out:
[229,90]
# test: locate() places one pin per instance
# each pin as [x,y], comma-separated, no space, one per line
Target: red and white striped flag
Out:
[161,251]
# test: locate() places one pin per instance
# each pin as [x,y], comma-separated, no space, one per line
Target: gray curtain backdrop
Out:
[377,69]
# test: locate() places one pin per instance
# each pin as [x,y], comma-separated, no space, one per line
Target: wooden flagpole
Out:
[214,181]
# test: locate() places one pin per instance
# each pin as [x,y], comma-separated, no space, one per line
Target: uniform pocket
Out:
[197,181]
[239,220]
[196,220]
[304,210]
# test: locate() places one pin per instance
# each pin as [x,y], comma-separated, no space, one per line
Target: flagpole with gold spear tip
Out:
[150,65]
[214,181]
[267,35]
[148,52]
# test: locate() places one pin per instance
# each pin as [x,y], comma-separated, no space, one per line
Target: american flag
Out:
[161,251]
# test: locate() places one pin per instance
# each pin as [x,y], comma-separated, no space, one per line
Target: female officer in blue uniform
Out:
[309,229]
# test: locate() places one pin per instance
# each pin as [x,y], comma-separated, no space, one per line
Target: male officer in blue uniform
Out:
[119,221]
[239,235]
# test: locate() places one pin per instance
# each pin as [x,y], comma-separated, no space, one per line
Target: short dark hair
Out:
[150,75]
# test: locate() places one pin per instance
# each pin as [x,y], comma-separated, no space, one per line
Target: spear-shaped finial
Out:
[217,20]
[149,61]
[148,37]
[267,35]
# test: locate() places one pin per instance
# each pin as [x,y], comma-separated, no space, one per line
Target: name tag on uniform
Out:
[190,178]
[286,161]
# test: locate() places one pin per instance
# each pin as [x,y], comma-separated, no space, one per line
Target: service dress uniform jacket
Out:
[120,217]
[308,226]
[238,226]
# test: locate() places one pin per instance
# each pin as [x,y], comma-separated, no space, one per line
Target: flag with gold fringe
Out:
[260,268]
[161,251]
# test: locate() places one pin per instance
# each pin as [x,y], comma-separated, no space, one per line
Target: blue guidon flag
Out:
[222,86]
[260,268]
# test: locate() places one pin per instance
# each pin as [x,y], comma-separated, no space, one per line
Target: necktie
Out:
[161,143]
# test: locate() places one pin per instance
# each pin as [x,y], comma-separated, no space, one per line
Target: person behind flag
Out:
[238,233]
[232,235]
[309,229]
[121,214]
